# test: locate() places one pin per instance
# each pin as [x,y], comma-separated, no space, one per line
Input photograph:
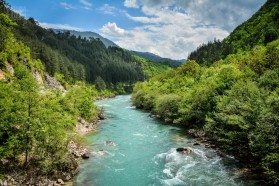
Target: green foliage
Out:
[236,113]
[31,124]
[36,125]
[208,53]
[259,29]
[79,101]
[152,68]
[190,68]
[100,83]
[235,101]
[271,35]
[167,106]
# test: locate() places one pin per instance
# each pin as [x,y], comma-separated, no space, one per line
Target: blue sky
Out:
[169,28]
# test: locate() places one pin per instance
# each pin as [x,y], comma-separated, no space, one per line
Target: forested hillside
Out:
[234,98]
[261,28]
[78,58]
[89,34]
[37,122]
[156,58]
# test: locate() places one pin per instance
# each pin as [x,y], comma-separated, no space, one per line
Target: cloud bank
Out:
[174,28]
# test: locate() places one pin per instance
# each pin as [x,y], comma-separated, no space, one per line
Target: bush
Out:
[167,107]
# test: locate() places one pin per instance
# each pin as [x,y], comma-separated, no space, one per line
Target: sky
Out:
[168,28]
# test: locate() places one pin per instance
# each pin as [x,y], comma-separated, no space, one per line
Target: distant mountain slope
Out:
[74,57]
[109,43]
[156,58]
[88,34]
[261,28]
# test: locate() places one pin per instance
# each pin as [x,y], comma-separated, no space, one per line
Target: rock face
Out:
[2,75]
[10,68]
[60,181]
[53,83]
[36,74]
[185,150]
[78,151]
[84,127]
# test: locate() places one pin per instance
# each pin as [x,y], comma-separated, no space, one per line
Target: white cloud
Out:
[165,32]
[86,4]
[108,9]
[225,14]
[174,28]
[131,3]
[67,6]
[112,30]
[60,26]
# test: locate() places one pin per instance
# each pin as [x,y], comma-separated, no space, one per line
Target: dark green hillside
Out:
[156,58]
[77,58]
[113,64]
[261,28]
[88,35]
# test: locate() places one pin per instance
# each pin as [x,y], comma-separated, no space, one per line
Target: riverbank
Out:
[76,152]
[247,168]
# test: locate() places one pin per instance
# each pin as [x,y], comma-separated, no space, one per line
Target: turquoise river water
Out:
[133,149]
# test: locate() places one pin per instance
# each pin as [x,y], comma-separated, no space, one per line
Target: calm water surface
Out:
[132,149]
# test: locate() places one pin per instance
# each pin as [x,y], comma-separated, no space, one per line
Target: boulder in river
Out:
[110,143]
[185,150]
[86,155]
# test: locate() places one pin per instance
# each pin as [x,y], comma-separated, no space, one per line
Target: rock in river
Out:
[185,150]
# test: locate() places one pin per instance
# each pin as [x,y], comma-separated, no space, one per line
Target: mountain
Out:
[109,43]
[156,58]
[261,28]
[78,58]
[88,34]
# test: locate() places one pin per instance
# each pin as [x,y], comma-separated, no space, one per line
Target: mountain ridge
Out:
[88,34]
[108,43]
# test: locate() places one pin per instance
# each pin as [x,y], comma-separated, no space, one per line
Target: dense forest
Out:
[36,122]
[231,94]
[78,58]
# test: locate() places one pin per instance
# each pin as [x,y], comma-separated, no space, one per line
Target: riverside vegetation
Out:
[230,90]
[38,123]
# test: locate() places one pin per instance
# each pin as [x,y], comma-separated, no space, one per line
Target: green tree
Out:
[100,83]
[167,107]
[235,116]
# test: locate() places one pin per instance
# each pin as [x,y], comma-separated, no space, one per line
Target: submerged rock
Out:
[111,143]
[185,150]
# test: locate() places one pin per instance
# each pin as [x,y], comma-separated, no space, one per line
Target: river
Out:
[133,149]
